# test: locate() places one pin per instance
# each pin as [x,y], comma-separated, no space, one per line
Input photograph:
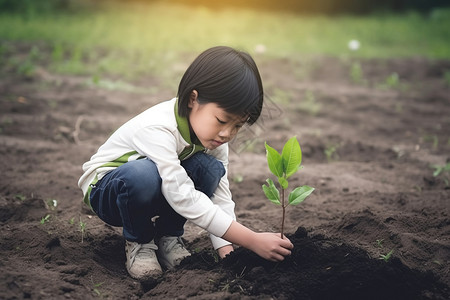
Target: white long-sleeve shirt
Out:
[159,134]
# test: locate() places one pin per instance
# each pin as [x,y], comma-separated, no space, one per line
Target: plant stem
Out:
[284,211]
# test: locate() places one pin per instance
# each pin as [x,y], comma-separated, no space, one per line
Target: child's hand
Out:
[225,250]
[267,245]
[271,247]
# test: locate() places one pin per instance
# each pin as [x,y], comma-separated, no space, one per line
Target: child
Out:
[169,164]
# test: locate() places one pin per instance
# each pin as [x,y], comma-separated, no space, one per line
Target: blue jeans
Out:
[130,195]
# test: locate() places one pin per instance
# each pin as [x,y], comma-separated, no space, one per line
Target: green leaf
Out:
[271,192]
[274,161]
[283,182]
[291,156]
[299,194]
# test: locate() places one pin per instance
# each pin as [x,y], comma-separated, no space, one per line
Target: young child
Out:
[169,164]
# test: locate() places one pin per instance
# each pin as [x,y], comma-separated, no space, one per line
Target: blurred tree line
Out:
[295,6]
[326,6]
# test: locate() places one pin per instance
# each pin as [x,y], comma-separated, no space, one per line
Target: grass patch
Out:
[131,38]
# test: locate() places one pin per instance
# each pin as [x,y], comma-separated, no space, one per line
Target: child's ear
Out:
[192,98]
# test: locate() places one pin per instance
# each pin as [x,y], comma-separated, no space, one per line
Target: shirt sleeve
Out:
[160,145]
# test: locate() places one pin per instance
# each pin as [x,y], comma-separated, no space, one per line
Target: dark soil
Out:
[367,148]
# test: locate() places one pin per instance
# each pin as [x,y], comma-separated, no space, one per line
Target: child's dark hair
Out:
[227,77]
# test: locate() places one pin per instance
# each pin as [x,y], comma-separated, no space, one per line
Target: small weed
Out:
[380,243]
[433,139]
[388,256]
[20,197]
[331,153]
[438,262]
[399,151]
[356,73]
[96,287]
[309,104]
[238,178]
[215,256]
[5,123]
[34,54]
[52,103]
[447,77]
[51,204]
[438,169]
[392,81]
[234,283]
[96,79]
[82,229]
[57,53]
[72,221]
[28,66]
[45,219]
[443,170]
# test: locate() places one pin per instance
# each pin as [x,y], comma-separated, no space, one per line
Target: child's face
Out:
[212,125]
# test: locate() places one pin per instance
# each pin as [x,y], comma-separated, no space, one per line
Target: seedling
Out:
[393,80]
[432,138]
[45,219]
[309,104]
[283,166]
[82,229]
[57,53]
[96,287]
[51,204]
[438,169]
[442,169]
[380,243]
[388,256]
[356,73]
[331,153]
[20,197]
[238,178]
[447,77]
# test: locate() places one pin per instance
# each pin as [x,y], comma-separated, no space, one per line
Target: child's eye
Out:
[220,121]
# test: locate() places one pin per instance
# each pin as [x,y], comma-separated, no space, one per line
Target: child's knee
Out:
[141,181]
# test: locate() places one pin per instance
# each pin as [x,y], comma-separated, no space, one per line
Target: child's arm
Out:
[267,245]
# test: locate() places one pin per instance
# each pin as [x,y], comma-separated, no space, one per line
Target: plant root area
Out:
[374,147]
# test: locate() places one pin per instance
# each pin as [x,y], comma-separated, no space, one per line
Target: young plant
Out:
[45,219]
[442,169]
[387,257]
[82,229]
[393,80]
[331,153]
[356,73]
[283,166]
[438,169]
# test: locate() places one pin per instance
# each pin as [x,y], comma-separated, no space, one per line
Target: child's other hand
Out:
[271,247]
[225,250]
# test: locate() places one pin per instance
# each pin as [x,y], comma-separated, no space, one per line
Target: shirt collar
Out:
[183,127]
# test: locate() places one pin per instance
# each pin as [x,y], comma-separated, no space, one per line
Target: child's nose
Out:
[226,132]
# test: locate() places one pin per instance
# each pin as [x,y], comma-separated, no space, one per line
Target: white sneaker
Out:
[142,262]
[171,251]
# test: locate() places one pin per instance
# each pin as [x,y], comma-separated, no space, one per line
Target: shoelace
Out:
[173,243]
[142,250]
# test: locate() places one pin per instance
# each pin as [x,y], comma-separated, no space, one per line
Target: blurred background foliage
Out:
[135,37]
[295,6]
